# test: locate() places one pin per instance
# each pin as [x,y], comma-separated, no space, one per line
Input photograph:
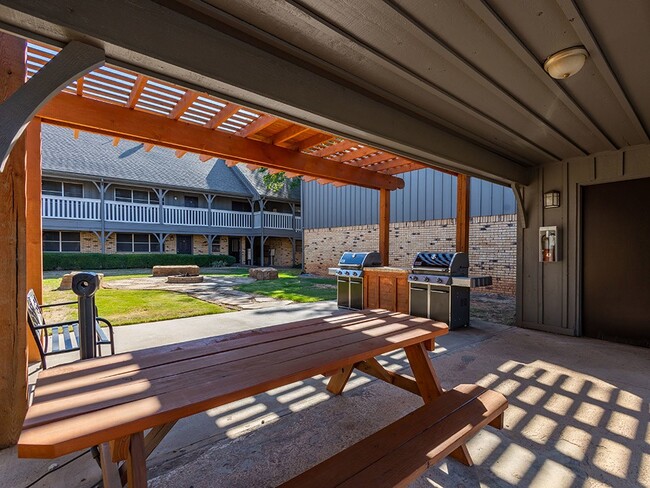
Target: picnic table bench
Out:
[110,402]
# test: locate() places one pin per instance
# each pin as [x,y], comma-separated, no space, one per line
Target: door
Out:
[183,244]
[616,261]
[343,292]
[234,248]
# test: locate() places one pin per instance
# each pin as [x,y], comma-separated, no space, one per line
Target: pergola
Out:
[123,104]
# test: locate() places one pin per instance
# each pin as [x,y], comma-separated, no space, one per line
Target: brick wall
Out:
[199,245]
[90,242]
[493,245]
[282,248]
[170,244]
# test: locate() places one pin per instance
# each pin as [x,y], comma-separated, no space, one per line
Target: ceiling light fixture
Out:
[566,63]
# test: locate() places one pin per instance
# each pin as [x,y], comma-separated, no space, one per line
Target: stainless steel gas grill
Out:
[439,287]
[349,277]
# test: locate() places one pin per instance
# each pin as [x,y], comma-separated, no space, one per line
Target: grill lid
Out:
[450,263]
[360,259]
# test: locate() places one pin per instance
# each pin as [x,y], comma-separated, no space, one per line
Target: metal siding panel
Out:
[437,196]
[422,190]
[497,200]
[429,175]
[454,195]
[486,198]
[447,205]
[475,192]
[509,202]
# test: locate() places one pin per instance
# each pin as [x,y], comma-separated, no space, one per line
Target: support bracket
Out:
[74,61]
[521,211]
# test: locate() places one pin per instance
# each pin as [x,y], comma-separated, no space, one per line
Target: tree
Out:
[276,181]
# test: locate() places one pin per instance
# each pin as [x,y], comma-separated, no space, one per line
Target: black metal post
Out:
[85,285]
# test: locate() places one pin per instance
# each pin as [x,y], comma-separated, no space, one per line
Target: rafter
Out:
[358,153]
[288,133]
[312,141]
[80,87]
[256,126]
[222,115]
[377,158]
[180,153]
[116,141]
[392,163]
[231,163]
[136,91]
[403,168]
[148,147]
[204,158]
[183,104]
[334,148]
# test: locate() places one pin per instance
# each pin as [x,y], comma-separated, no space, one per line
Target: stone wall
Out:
[493,245]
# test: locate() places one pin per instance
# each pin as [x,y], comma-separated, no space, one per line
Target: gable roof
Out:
[95,156]
[255,179]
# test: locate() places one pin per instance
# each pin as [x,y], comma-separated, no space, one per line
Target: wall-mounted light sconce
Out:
[566,63]
[552,199]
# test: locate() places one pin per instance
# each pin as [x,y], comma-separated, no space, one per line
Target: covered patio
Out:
[355,94]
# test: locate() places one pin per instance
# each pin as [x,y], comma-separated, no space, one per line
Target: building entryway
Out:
[616,261]
[183,244]
[234,248]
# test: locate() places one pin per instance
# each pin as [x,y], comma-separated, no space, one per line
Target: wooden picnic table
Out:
[110,402]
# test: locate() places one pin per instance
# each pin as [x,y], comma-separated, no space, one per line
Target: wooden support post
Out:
[384,226]
[13,303]
[338,381]
[136,462]
[462,214]
[34,259]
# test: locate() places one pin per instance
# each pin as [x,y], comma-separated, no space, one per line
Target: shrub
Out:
[92,261]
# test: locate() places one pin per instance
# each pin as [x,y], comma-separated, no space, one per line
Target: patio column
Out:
[13,250]
[34,231]
[462,214]
[384,226]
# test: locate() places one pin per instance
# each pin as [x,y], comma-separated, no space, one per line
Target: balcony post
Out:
[209,199]
[262,203]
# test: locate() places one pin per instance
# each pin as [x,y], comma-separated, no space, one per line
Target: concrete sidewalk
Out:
[578,414]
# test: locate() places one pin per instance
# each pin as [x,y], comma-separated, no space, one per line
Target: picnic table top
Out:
[83,404]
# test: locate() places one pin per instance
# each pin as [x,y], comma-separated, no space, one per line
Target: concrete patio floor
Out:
[578,415]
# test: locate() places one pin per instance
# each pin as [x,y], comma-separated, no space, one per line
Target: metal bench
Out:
[399,453]
[57,338]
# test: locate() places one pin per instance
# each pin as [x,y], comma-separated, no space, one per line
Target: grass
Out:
[123,307]
[243,272]
[292,287]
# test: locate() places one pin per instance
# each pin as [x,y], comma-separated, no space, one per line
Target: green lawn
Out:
[123,307]
[292,287]
[243,272]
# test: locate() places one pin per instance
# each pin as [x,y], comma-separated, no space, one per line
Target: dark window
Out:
[73,190]
[240,207]
[191,202]
[52,188]
[61,241]
[140,196]
[122,195]
[137,243]
[216,245]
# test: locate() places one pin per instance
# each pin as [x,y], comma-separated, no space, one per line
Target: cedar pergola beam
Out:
[114,121]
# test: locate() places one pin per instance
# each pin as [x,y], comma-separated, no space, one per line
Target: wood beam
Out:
[183,104]
[114,121]
[180,153]
[377,158]
[34,231]
[80,88]
[462,214]
[358,153]
[403,169]
[148,147]
[13,232]
[204,158]
[231,163]
[384,165]
[334,148]
[116,141]
[256,125]
[384,226]
[312,141]
[137,89]
[222,115]
[72,62]
[288,133]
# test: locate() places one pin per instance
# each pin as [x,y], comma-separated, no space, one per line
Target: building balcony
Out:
[87,209]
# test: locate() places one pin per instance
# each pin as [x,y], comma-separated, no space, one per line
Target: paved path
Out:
[214,289]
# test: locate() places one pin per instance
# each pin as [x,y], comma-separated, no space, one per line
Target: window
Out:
[135,196]
[54,241]
[216,246]
[240,206]
[60,189]
[191,202]
[137,243]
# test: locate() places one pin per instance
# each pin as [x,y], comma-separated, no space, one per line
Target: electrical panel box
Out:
[549,244]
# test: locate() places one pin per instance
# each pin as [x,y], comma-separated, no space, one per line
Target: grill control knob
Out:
[415,278]
[439,280]
[426,279]
[347,272]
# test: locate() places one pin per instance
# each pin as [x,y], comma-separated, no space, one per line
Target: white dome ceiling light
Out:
[566,63]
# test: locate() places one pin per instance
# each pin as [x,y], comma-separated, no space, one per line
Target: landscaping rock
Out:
[263,273]
[66,281]
[186,270]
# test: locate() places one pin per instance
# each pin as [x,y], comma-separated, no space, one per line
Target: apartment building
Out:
[117,196]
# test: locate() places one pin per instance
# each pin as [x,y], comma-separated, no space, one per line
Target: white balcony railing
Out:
[227,218]
[137,213]
[70,208]
[186,216]
[277,220]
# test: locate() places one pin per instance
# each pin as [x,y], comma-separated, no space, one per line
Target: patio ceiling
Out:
[121,103]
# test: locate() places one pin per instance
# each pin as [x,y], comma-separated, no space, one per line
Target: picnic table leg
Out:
[110,471]
[430,388]
[136,462]
[338,381]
